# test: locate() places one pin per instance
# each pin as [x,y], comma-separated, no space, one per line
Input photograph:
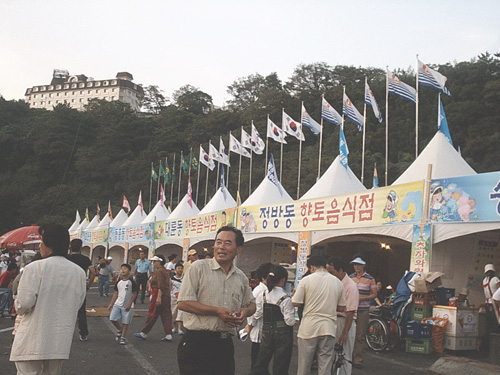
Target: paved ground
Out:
[101,354]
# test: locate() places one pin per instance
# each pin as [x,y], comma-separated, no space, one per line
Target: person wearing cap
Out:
[143,268]
[491,284]
[105,272]
[462,300]
[216,299]
[367,291]
[4,263]
[159,305]
[192,257]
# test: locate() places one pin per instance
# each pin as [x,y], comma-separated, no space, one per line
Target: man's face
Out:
[193,257]
[359,268]
[124,272]
[44,250]
[225,248]
[142,255]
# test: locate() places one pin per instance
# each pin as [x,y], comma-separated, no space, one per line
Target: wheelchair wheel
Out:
[377,335]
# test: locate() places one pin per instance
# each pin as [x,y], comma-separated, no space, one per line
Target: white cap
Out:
[109,258]
[358,260]
[155,258]
[489,267]
[464,291]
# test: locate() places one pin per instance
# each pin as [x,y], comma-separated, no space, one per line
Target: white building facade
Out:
[77,90]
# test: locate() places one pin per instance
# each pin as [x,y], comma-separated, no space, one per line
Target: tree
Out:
[193,100]
[247,90]
[153,101]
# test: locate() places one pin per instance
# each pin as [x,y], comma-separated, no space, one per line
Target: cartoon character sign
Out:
[437,202]
[391,204]
[450,202]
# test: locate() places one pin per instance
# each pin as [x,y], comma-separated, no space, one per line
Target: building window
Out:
[43,88]
[112,98]
[50,95]
[81,92]
[97,84]
[35,88]
[41,103]
[34,96]
[105,90]
[73,86]
[72,100]
[113,90]
[89,92]
[43,95]
[106,83]
[66,93]
[51,87]
[57,94]
[97,91]
[114,82]
[72,93]
[89,84]
[57,101]
[66,86]
[81,85]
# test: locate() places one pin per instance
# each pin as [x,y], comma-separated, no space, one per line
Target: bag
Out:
[102,265]
[438,330]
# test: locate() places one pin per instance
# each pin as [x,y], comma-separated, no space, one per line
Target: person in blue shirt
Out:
[143,268]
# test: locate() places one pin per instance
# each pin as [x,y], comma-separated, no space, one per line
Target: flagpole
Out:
[364,135]
[229,162]
[386,123]
[416,113]
[180,177]
[158,186]
[300,153]
[172,184]
[190,161]
[218,173]
[198,179]
[251,159]
[164,179]
[267,141]
[206,189]
[150,187]
[320,140]
[281,156]
[239,172]
[343,96]
[439,110]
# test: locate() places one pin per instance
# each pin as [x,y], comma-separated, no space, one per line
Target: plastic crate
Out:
[425,299]
[419,346]
[416,330]
[444,295]
[420,312]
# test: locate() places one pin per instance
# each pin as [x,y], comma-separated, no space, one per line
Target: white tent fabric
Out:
[83,225]
[104,221]
[336,180]
[183,209]
[74,227]
[220,201]
[446,162]
[93,223]
[267,192]
[159,212]
[119,219]
[136,217]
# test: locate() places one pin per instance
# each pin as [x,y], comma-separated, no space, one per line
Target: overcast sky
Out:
[210,44]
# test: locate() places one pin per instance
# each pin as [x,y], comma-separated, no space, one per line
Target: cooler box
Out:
[420,312]
[444,295]
[462,321]
[460,342]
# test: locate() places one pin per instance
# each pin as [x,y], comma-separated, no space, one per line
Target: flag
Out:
[370,100]
[174,176]
[139,202]
[443,123]
[161,171]
[292,127]
[125,204]
[184,166]
[352,113]
[329,113]
[110,213]
[214,154]
[248,142]
[458,150]
[258,139]
[401,89]
[98,213]
[272,175]
[309,122]
[87,215]
[206,160]
[274,132]
[190,193]
[168,175]
[223,183]
[192,160]
[236,147]
[343,150]
[77,217]
[223,153]
[154,176]
[375,176]
[162,196]
[238,198]
[431,78]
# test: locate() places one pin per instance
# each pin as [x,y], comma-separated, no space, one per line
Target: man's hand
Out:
[227,316]
[110,307]
[128,307]
[342,339]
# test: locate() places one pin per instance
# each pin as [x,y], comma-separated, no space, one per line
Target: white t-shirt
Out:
[125,289]
[170,266]
[496,295]
[493,286]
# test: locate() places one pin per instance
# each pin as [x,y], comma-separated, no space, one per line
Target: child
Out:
[122,301]
[275,305]
[176,288]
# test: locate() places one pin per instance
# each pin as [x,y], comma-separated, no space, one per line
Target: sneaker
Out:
[118,335]
[174,330]
[180,332]
[105,295]
[83,338]
[141,335]
[167,338]
[122,341]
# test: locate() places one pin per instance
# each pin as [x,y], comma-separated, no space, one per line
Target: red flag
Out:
[125,204]
[110,213]
[190,193]
[98,213]
[162,195]
[139,202]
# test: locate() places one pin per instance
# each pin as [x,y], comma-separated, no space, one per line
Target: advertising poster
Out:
[421,248]
[303,250]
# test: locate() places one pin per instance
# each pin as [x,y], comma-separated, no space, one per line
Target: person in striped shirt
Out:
[367,292]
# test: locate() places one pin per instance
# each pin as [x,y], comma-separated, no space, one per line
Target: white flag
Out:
[248,142]
[206,160]
[236,147]
[292,127]
[258,139]
[214,154]
[309,122]
[223,154]
[274,132]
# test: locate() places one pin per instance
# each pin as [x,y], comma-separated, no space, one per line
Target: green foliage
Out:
[55,162]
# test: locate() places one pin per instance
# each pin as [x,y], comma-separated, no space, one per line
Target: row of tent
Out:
[337,180]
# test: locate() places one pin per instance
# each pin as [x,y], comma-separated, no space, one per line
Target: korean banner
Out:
[132,233]
[303,250]
[421,246]
[95,236]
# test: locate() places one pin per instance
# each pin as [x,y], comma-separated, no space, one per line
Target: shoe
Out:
[180,332]
[174,330]
[122,341]
[118,335]
[141,335]
[83,338]
[105,295]
[167,338]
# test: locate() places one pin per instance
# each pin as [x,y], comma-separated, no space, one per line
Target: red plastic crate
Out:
[425,299]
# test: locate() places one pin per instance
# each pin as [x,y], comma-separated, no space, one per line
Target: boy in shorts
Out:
[122,302]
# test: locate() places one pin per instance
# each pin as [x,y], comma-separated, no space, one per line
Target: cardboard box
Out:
[427,282]
[462,321]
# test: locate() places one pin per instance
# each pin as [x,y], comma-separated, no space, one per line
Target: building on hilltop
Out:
[77,90]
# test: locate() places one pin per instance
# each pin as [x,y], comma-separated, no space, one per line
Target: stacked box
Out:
[460,342]
[420,312]
[444,295]
[425,299]
[416,330]
[419,346]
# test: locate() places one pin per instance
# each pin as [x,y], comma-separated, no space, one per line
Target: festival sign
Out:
[400,204]
[465,199]
[421,248]
[132,233]
[95,236]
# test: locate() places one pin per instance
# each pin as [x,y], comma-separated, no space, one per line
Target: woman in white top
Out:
[274,305]
[491,283]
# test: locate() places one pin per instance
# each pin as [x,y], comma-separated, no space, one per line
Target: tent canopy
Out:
[15,239]
[183,209]
[220,201]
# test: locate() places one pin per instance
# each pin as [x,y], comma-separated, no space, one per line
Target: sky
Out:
[210,44]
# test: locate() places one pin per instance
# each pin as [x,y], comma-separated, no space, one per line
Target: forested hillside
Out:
[55,162]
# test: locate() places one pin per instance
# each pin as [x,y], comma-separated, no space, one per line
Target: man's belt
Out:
[209,334]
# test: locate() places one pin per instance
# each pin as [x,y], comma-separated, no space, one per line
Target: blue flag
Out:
[271,173]
[399,88]
[343,150]
[443,123]
[329,113]
[309,122]
[431,78]
[370,100]
[375,176]
[352,113]
[223,182]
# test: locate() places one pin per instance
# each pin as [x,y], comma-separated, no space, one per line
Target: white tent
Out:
[104,221]
[446,162]
[268,192]
[220,201]
[93,223]
[183,209]
[83,225]
[159,212]
[119,219]
[135,217]
[74,227]
[336,180]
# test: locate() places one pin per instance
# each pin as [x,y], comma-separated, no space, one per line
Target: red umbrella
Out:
[15,239]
